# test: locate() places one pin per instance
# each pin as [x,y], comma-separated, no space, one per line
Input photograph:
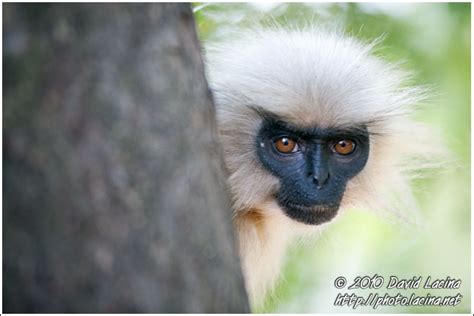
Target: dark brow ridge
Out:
[279,123]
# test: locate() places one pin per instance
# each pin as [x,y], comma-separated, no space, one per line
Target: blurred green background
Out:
[433,40]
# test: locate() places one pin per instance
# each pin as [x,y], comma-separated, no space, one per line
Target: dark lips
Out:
[313,215]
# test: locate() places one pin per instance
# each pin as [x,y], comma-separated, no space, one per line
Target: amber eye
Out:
[344,147]
[285,145]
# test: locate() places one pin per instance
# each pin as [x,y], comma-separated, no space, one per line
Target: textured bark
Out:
[113,190]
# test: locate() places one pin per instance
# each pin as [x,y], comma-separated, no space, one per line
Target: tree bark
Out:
[114,197]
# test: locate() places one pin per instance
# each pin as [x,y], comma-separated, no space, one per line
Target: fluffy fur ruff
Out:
[318,78]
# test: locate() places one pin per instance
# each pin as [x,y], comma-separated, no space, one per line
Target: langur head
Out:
[313,121]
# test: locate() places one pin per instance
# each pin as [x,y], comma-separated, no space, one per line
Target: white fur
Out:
[311,78]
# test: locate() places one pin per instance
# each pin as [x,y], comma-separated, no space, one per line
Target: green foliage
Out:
[433,40]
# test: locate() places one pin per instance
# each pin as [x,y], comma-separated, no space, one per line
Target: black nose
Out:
[319,165]
[320,177]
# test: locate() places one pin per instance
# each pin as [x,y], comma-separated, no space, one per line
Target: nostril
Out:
[327,179]
[320,180]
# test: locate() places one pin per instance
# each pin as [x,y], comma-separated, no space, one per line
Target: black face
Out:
[313,165]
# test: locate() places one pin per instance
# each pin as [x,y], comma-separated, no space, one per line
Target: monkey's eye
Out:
[344,147]
[285,145]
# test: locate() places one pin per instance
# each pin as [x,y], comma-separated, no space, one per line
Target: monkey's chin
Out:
[311,215]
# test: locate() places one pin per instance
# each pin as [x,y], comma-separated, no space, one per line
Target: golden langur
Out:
[311,123]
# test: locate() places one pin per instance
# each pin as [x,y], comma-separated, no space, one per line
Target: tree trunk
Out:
[113,188]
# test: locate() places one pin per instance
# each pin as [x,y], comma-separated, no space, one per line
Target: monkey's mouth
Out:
[312,215]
